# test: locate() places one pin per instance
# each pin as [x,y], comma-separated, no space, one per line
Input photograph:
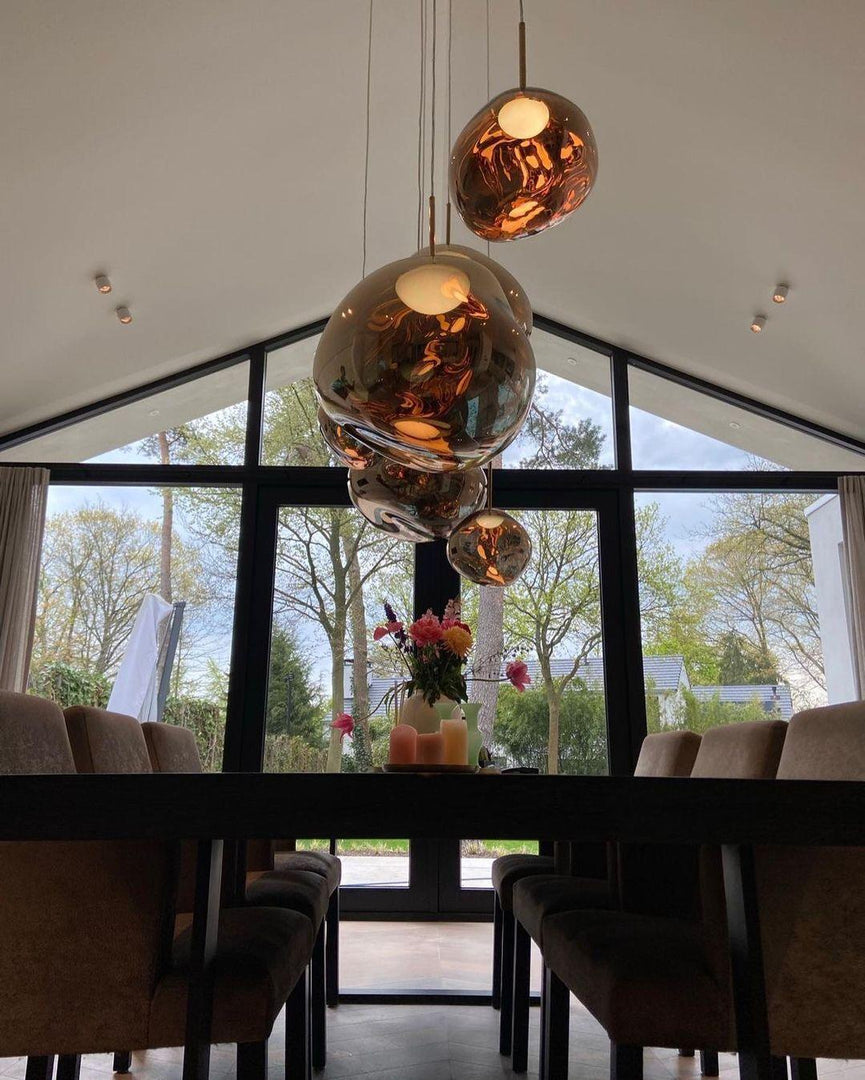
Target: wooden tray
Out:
[419,768]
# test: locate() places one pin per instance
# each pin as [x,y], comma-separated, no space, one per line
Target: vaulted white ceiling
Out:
[209,157]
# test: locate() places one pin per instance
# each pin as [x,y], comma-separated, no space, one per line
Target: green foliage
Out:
[68,685]
[206,719]
[294,701]
[744,663]
[289,753]
[699,716]
[522,729]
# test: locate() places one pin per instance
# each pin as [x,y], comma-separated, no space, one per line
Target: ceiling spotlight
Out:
[572,360]
[757,324]
[102,283]
[780,293]
[124,315]
[735,425]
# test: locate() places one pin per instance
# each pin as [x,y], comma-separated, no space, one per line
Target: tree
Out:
[522,729]
[294,701]
[743,664]
[98,563]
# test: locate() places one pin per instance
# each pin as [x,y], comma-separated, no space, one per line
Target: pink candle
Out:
[403,745]
[456,741]
[431,749]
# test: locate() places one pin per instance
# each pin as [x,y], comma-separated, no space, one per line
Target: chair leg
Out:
[252,1060]
[686,1053]
[803,1069]
[40,1068]
[497,951]
[318,1009]
[522,969]
[298,1059]
[506,1017]
[778,1067]
[709,1062]
[332,949]
[555,1033]
[122,1061]
[626,1061]
[68,1066]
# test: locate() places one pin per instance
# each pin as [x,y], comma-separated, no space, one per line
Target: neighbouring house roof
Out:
[665,673]
[770,697]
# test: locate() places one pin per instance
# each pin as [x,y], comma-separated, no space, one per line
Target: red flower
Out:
[426,630]
[344,724]
[392,627]
[518,675]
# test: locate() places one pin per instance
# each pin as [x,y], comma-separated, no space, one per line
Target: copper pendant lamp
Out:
[490,547]
[413,505]
[345,448]
[514,292]
[524,162]
[434,390]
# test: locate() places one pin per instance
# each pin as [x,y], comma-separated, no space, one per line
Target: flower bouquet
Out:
[433,651]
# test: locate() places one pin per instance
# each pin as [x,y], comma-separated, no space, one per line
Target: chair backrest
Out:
[171,749]
[85,926]
[668,753]
[33,736]
[747,751]
[106,742]
[812,904]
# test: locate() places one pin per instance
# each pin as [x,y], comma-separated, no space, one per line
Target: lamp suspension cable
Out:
[450,112]
[366,151]
[490,485]
[522,47]
[488,80]
[432,155]
[421,119]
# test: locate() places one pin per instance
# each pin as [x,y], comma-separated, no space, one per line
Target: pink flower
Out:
[518,675]
[426,630]
[392,627]
[344,724]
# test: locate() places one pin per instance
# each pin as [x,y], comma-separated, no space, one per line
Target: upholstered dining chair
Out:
[88,956]
[173,749]
[649,979]
[106,742]
[535,897]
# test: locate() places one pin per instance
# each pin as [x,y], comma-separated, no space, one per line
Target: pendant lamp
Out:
[524,162]
[514,292]
[413,505]
[490,547]
[345,448]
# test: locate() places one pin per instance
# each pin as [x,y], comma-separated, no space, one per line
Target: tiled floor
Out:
[399,1042]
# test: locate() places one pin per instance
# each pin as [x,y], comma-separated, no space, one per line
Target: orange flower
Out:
[459,641]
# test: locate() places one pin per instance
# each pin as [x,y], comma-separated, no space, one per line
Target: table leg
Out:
[205,925]
[746,957]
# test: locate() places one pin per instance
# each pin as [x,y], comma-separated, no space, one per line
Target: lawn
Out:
[490,849]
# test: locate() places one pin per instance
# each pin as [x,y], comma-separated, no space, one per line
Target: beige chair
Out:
[88,956]
[173,749]
[652,980]
[538,896]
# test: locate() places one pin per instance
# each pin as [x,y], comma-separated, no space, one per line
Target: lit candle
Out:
[430,749]
[455,734]
[403,745]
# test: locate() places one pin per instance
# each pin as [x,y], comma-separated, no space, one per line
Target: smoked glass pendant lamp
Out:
[523,163]
[490,547]
[413,505]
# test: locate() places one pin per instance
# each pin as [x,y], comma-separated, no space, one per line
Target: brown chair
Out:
[653,980]
[88,956]
[173,749]
[537,896]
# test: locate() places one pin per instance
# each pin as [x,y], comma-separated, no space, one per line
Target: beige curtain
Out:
[851,490]
[23,496]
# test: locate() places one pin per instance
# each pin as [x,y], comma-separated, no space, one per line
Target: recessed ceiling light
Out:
[780,293]
[735,425]
[124,315]
[572,360]
[102,283]
[757,324]
[153,412]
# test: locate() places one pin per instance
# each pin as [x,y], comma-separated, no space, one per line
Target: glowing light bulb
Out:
[489,519]
[757,324]
[523,117]
[433,289]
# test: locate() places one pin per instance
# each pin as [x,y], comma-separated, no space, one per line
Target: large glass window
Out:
[107,553]
[201,422]
[674,427]
[735,593]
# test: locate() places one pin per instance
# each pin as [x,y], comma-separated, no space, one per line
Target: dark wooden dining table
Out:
[738,815]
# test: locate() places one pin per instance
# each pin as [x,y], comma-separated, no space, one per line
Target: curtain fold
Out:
[851,491]
[23,499]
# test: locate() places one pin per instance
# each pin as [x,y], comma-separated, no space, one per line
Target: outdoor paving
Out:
[360,870]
